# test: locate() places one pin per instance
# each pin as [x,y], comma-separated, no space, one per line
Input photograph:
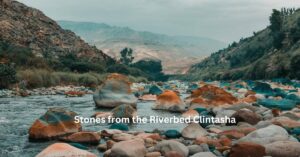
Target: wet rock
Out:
[172,134]
[102,147]
[131,148]
[171,145]
[155,90]
[283,104]
[119,126]
[204,154]
[233,134]
[192,131]
[124,111]
[114,91]
[245,115]
[266,135]
[170,101]
[247,149]
[54,123]
[283,149]
[65,150]
[83,137]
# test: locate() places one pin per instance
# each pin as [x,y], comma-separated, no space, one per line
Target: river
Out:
[17,114]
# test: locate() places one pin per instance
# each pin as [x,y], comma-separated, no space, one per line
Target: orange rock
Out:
[75,93]
[233,134]
[190,113]
[154,136]
[54,123]
[285,122]
[249,92]
[64,150]
[169,100]
[83,137]
[249,99]
[213,96]
[247,149]
[173,154]
[148,97]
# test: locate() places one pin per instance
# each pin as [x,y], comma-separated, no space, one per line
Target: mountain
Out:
[27,27]
[271,53]
[171,50]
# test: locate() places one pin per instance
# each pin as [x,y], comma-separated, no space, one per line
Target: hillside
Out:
[170,49]
[27,27]
[271,53]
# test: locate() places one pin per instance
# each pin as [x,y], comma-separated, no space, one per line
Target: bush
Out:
[7,76]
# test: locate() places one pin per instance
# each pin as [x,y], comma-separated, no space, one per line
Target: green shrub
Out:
[7,76]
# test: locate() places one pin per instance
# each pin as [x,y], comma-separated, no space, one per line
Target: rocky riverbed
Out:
[266,113]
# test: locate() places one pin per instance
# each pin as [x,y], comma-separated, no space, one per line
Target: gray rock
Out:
[193,149]
[204,154]
[171,145]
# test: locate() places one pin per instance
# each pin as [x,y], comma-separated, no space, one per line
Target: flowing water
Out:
[18,114]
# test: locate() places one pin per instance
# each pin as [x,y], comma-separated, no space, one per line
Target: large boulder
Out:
[213,96]
[130,148]
[171,145]
[192,131]
[247,149]
[83,137]
[283,149]
[245,115]
[64,150]
[170,101]
[124,111]
[266,135]
[54,123]
[114,91]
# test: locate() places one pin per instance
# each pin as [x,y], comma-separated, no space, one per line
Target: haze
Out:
[224,20]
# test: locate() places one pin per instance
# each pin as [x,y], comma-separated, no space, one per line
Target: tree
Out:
[276,21]
[150,66]
[126,56]
[7,76]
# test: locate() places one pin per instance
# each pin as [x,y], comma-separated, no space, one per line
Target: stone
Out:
[65,150]
[233,134]
[204,154]
[110,144]
[130,148]
[54,123]
[83,137]
[148,97]
[155,90]
[284,104]
[110,132]
[154,136]
[114,91]
[263,88]
[192,131]
[119,126]
[172,134]
[247,149]
[190,114]
[193,149]
[173,154]
[266,135]
[283,149]
[124,111]
[102,115]
[171,145]
[286,122]
[245,115]
[122,137]
[102,147]
[214,96]
[170,101]
[153,154]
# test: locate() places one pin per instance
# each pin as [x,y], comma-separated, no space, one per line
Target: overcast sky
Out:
[225,20]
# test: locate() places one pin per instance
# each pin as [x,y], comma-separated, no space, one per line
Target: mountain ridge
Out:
[169,49]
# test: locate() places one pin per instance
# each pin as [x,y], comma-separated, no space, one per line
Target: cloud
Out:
[226,20]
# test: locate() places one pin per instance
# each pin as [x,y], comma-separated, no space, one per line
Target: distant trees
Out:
[126,56]
[276,21]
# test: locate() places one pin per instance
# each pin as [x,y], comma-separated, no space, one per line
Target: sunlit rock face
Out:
[114,91]
[169,100]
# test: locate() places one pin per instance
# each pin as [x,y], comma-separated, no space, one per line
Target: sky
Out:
[224,20]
